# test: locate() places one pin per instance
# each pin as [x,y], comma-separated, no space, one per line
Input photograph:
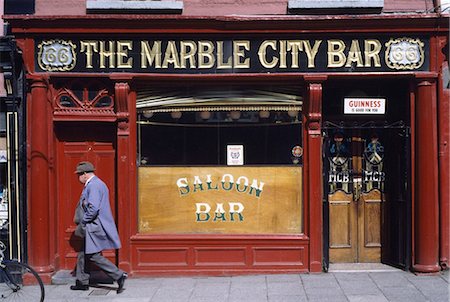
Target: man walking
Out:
[95,223]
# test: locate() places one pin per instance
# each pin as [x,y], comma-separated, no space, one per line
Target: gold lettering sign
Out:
[222,200]
[177,55]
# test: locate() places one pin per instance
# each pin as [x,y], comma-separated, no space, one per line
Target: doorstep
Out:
[361,267]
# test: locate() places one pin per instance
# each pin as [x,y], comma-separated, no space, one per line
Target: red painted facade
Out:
[57,138]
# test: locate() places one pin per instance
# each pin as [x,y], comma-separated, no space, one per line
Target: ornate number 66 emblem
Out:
[56,55]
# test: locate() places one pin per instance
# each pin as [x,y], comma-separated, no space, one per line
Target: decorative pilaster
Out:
[125,167]
[39,166]
[313,170]
[426,216]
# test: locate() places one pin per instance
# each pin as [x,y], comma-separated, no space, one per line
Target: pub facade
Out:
[240,144]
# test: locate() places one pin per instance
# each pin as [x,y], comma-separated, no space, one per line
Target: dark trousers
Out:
[104,264]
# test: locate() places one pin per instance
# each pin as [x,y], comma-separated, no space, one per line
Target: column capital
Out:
[314,108]
[426,76]
[312,78]
[38,81]
[425,82]
[121,91]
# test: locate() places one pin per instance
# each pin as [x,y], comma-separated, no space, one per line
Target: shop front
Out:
[243,149]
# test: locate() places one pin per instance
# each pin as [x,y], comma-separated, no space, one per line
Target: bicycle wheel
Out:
[19,282]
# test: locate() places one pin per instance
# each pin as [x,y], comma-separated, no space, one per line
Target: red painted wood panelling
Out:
[313,172]
[285,256]
[224,256]
[161,256]
[211,255]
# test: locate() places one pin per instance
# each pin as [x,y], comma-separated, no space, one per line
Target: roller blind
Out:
[218,99]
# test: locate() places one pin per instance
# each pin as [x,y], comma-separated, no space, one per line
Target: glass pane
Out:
[105,101]
[67,101]
[189,140]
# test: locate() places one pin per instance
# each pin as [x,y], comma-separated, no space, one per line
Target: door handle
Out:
[357,187]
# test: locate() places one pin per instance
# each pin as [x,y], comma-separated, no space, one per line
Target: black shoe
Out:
[121,282]
[79,286]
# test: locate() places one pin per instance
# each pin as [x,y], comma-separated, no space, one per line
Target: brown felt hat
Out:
[84,166]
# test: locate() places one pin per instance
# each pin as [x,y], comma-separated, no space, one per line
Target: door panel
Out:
[342,227]
[397,216]
[74,145]
[369,228]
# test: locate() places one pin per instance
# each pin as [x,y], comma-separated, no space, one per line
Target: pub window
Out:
[335,6]
[203,137]
[220,160]
[19,7]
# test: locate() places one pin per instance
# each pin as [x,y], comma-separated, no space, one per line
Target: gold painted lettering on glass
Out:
[150,55]
[336,56]
[123,46]
[372,48]
[205,54]
[221,64]
[262,54]
[239,48]
[311,52]
[188,49]
[107,53]
[171,56]
[89,47]
[354,55]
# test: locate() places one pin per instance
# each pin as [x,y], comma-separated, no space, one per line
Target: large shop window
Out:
[226,161]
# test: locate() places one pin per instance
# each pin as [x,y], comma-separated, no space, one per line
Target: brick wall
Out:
[222,7]
[60,7]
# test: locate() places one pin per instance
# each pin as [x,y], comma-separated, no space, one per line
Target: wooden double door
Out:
[366,194]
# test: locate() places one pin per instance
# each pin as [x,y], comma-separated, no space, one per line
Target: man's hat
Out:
[84,166]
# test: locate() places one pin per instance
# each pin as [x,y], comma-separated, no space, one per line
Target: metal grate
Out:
[99,292]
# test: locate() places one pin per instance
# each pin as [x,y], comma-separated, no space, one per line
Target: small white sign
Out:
[364,106]
[235,155]
[3,157]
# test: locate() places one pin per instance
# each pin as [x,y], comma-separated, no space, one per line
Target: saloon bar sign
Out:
[226,200]
[210,55]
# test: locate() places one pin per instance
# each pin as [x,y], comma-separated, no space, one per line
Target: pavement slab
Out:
[360,286]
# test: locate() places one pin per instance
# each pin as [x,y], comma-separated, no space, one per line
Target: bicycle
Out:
[18,281]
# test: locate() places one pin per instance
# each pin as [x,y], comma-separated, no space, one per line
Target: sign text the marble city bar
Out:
[232,56]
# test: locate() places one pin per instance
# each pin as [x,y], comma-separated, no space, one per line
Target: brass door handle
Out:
[357,187]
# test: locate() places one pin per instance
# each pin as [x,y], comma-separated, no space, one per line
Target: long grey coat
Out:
[101,230]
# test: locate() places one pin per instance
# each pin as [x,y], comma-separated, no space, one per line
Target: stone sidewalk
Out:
[336,286]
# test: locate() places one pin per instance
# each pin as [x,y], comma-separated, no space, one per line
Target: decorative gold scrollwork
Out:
[404,53]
